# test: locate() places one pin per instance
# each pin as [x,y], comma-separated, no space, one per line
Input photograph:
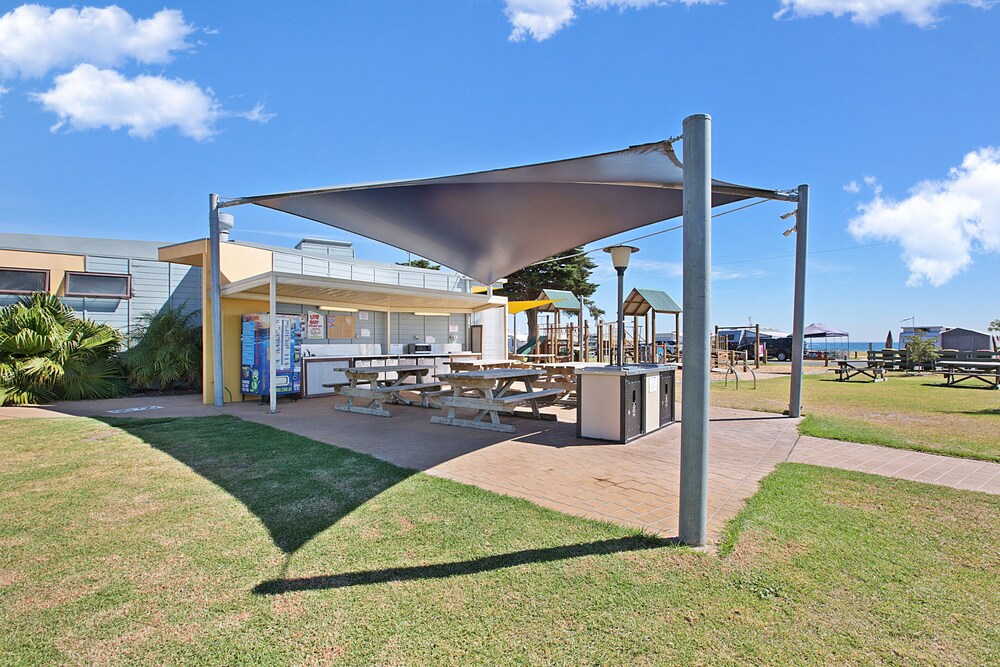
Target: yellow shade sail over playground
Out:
[515,307]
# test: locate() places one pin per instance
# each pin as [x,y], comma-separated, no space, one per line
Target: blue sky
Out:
[119,122]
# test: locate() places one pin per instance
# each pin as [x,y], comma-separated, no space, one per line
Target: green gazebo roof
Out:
[564,300]
[641,301]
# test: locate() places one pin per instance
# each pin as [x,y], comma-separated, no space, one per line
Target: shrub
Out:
[921,350]
[48,353]
[166,351]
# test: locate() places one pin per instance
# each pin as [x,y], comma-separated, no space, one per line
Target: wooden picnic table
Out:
[365,383]
[561,375]
[870,369]
[488,392]
[481,364]
[971,369]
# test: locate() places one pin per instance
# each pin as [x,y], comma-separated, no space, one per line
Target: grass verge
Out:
[215,541]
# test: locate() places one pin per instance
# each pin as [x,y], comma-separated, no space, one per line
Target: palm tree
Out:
[167,350]
[47,353]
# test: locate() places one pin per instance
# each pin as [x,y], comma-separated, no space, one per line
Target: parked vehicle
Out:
[779,348]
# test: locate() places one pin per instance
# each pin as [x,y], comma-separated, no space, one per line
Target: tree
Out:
[994,326]
[569,270]
[420,263]
[167,350]
[47,353]
[920,350]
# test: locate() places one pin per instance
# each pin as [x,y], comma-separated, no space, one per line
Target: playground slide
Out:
[531,345]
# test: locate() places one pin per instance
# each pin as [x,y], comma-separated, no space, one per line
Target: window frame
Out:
[96,295]
[20,269]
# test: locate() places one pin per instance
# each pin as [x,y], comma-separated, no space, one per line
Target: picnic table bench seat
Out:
[489,393]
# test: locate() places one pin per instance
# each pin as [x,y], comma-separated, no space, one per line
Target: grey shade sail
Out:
[489,224]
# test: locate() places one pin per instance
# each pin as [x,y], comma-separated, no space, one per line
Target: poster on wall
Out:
[314,325]
[365,333]
[340,326]
[363,316]
[452,328]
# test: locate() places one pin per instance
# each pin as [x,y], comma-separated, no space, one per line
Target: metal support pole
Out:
[693,519]
[215,287]
[799,310]
[621,316]
[272,348]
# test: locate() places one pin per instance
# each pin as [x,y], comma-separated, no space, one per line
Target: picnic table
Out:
[971,369]
[481,364]
[561,375]
[871,369]
[365,383]
[488,391]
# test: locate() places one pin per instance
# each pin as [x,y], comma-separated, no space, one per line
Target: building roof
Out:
[640,301]
[80,245]
[561,300]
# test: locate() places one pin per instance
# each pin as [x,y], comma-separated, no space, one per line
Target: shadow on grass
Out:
[296,486]
[473,566]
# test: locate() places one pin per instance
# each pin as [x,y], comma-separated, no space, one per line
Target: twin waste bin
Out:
[621,403]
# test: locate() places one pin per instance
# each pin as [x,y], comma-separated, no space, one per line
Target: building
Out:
[357,311]
[112,281]
[966,340]
[366,310]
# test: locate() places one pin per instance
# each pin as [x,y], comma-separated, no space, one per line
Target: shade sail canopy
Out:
[489,224]
[515,307]
[818,330]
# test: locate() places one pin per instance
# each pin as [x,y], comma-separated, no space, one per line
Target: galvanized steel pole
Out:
[621,314]
[215,287]
[272,346]
[799,309]
[697,245]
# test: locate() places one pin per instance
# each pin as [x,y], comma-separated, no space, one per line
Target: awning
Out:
[320,290]
[489,224]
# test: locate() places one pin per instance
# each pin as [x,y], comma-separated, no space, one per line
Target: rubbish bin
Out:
[621,403]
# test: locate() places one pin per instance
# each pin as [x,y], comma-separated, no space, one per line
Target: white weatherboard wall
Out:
[494,321]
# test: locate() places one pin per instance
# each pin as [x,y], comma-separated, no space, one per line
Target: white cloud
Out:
[852,187]
[923,13]
[89,98]
[540,19]
[943,222]
[35,40]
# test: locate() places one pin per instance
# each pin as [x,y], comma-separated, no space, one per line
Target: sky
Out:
[119,120]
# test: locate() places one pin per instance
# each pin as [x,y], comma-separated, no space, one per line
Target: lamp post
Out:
[620,255]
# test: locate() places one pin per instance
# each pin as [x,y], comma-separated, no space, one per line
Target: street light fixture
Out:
[620,255]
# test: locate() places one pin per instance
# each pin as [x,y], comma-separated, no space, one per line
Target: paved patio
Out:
[634,484]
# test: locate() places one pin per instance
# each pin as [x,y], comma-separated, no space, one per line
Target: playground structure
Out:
[641,344]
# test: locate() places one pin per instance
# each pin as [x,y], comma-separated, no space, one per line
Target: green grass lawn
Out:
[217,541]
[909,412]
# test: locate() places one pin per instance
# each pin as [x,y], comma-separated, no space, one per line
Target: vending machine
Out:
[255,340]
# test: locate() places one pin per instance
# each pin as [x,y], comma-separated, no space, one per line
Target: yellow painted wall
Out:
[57,264]
[236,263]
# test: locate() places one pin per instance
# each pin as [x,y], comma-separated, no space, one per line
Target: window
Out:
[23,281]
[108,285]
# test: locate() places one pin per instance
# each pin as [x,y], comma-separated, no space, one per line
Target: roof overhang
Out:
[319,290]
[489,224]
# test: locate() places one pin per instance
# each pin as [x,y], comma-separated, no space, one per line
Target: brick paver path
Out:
[917,466]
